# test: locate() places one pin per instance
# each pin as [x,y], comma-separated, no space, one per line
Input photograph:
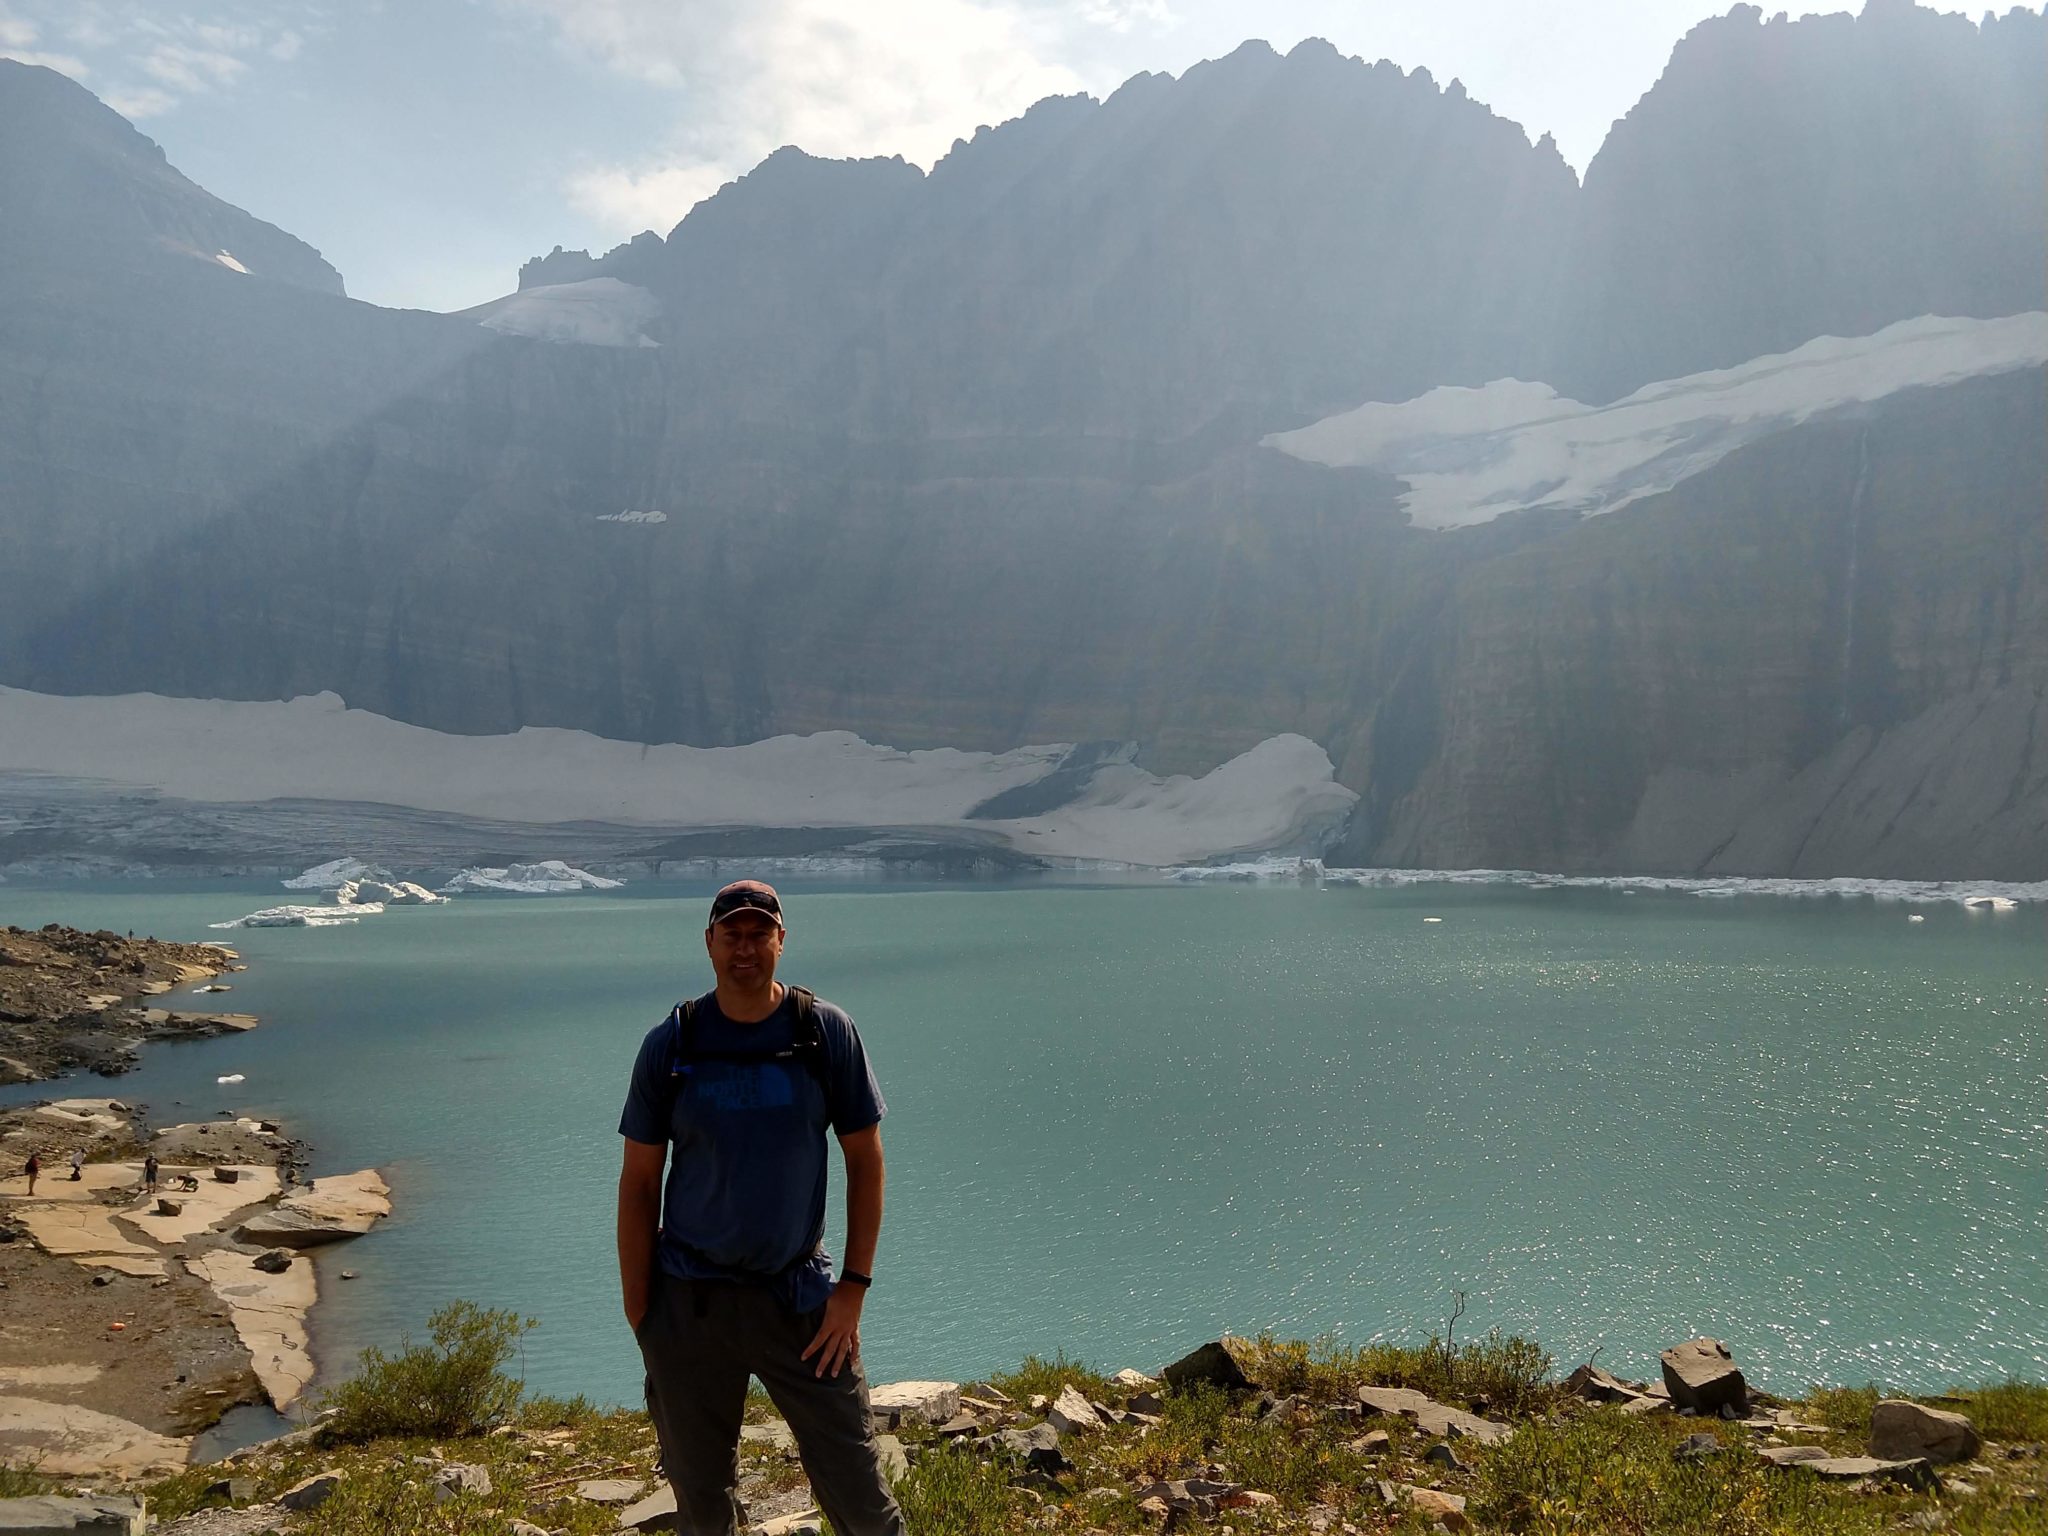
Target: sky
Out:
[428,147]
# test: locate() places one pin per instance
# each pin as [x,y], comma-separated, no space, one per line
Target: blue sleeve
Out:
[853,1098]
[645,1117]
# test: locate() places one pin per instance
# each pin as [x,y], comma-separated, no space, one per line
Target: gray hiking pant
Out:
[701,1341]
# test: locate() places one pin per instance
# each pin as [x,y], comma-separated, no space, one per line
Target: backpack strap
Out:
[808,1047]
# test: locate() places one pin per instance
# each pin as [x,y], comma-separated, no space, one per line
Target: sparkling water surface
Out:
[1124,1118]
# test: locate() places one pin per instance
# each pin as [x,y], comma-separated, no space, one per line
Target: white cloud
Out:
[190,70]
[137,102]
[627,200]
[833,79]
[152,55]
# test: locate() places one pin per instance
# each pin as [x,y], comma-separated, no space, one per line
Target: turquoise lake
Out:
[1127,1117]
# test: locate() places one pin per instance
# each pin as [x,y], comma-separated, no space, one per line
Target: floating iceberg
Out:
[232,1077]
[336,873]
[547,878]
[302,917]
[388,893]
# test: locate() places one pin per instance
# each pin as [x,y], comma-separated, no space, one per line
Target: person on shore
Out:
[32,1168]
[77,1164]
[724,1273]
[150,1169]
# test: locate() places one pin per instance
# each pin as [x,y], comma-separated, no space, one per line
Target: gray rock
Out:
[1900,1431]
[272,1261]
[1442,1455]
[311,1492]
[528,1528]
[610,1490]
[656,1512]
[896,1403]
[1701,1375]
[1431,1416]
[51,1516]
[232,1490]
[461,1477]
[894,1460]
[1215,1364]
[1199,1496]
[1597,1386]
[1696,1448]
[805,1522]
[1913,1472]
[1037,1447]
[1071,1413]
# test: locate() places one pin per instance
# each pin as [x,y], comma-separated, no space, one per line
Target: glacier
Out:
[1469,455]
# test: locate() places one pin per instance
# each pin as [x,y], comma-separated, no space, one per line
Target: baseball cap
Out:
[746,896]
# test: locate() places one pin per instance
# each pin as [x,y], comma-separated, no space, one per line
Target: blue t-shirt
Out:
[745,1198]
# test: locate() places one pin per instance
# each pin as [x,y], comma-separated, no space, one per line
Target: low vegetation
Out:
[1571,1468]
[455,1386]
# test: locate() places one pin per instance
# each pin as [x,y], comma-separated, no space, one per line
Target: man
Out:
[725,1275]
[150,1169]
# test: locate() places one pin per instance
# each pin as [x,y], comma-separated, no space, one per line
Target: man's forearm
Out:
[639,1216]
[863,1212]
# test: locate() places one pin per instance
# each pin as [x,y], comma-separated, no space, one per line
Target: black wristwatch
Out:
[855,1277]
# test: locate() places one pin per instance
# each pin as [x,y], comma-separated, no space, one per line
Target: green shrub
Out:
[1844,1408]
[953,1492]
[457,1386]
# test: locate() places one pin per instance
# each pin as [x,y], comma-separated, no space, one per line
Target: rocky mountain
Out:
[978,458]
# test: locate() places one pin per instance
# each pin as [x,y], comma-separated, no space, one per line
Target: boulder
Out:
[1596,1386]
[1197,1496]
[272,1261]
[311,1492]
[1901,1431]
[98,1515]
[1071,1413]
[459,1477]
[232,1490]
[1037,1447]
[1137,1381]
[892,1457]
[1701,1375]
[325,1211]
[1447,1509]
[1215,1364]
[1431,1416]
[897,1403]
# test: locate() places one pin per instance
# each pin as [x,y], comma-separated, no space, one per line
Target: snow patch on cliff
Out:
[1281,793]
[597,312]
[1470,455]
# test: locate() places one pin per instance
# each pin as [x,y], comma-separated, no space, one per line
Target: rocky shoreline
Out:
[74,1001]
[133,1319]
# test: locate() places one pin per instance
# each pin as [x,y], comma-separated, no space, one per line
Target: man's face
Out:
[744,949]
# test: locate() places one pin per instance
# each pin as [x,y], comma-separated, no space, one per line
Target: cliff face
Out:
[970,459]
[1786,180]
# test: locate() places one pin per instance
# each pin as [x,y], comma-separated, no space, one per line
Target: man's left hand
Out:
[838,1339]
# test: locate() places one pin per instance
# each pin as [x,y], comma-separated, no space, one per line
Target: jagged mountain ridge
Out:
[882,518]
[1250,231]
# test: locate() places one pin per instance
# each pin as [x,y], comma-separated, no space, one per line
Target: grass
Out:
[1570,1469]
[22,1482]
[454,1386]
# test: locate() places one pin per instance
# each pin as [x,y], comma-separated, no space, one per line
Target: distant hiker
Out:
[149,1173]
[33,1167]
[77,1164]
[725,1275]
